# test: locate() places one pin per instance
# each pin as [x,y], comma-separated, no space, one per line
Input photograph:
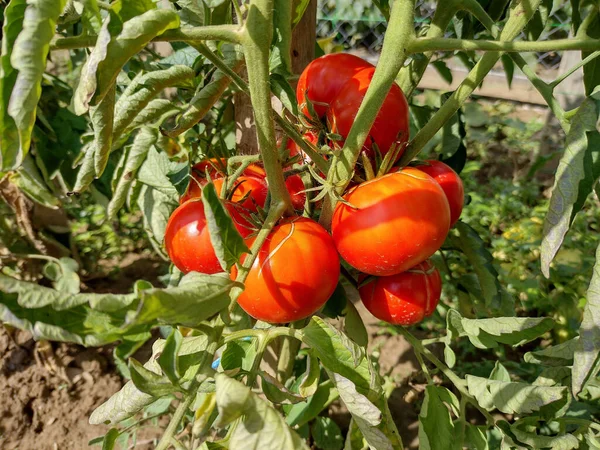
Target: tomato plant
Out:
[116,129]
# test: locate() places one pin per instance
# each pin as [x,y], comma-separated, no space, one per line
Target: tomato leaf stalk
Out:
[393,54]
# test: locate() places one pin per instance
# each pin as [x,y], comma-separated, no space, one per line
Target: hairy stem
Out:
[435,44]
[393,54]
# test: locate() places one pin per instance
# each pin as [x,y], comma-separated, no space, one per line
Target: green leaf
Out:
[284,92]
[557,355]
[28,58]
[226,240]
[276,392]
[239,355]
[10,152]
[499,373]
[586,361]
[198,297]
[128,9]
[101,117]
[469,242]
[475,437]
[63,273]
[310,380]
[168,359]
[354,438]
[142,90]
[185,56]
[155,113]
[110,438]
[454,138]
[436,430]
[522,431]
[443,70]
[515,331]
[591,71]
[280,58]
[261,426]
[134,158]
[106,61]
[192,13]
[206,96]
[513,398]
[299,9]
[336,304]
[149,382]
[326,434]
[28,179]
[574,180]
[354,326]
[509,68]
[303,412]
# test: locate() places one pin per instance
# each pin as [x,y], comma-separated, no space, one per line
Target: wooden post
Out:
[303,52]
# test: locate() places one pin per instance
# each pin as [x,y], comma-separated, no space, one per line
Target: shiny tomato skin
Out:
[294,150]
[391,123]
[450,182]
[255,188]
[295,187]
[294,274]
[405,298]
[401,219]
[324,78]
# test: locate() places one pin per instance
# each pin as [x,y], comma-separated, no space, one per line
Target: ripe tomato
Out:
[187,238]
[391,123]
[405,298]
[400,220]
[294,150]
[295,187]
[324,77]
[295,272]
[450,182]
[248,191]
[336,85]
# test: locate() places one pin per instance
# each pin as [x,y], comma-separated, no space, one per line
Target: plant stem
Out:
[227,33]
[399,34]
[519,17]
[410,75]
[458,382]
[573,69]
[273,332]
[289,349]
[420,45]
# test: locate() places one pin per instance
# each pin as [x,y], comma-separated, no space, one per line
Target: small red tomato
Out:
[294,150]
[187,238]
[295,272]
[405,298]
[450,182]
[295,187]
[398,221]
[253,189]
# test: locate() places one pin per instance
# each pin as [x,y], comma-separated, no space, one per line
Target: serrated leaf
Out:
[358,404]
[239,355]
[28,58]
[557,355]
[168,359]
[149,382]
[475,437]
[586,362]
[135,156]
[276,392]
[469,242]
[104,64]
[143,90]
[326,434]
[185,56]
[574,179]
[156,207]
[261,426]
[10,153]
[229,246]
[513,398]
[101,117]
[553,376]
[436,430]
[206,96]
[155,113]
[192,13]
[198,297]
[443,70]
[522,431]
[513,331]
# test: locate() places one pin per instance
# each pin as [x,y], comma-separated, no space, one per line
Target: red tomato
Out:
[391,123]
[252,188]
[405,298]
[295,187]
[187,238]
[401,219]
[295,272]
[337,84]
[294,150]
[323,79]
[450,182]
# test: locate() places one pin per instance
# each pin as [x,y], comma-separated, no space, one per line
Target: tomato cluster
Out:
[386,228]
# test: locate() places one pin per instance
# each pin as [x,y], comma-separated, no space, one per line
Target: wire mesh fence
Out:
[359,26]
